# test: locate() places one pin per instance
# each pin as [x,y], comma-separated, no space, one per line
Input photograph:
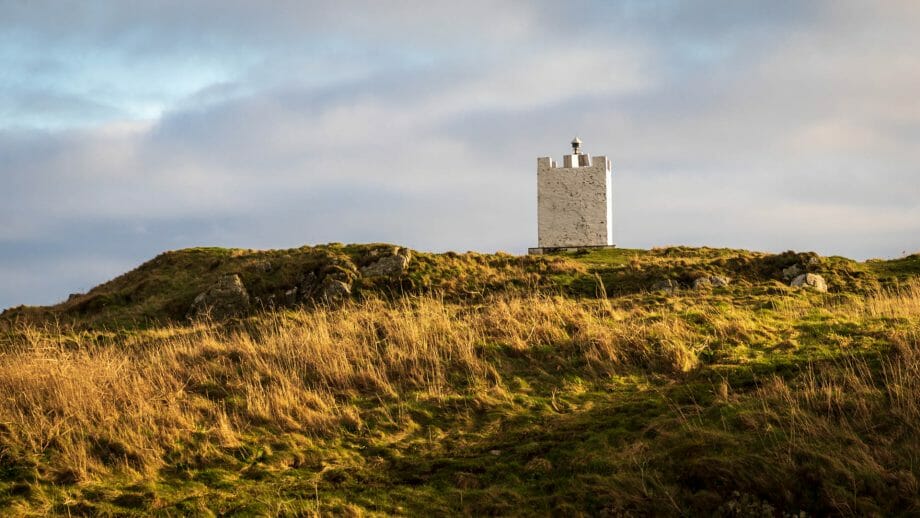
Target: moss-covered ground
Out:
[472,385]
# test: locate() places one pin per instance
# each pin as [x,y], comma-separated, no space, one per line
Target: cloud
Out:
[767,126]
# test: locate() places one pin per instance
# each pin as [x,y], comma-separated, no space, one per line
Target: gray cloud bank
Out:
[127,130]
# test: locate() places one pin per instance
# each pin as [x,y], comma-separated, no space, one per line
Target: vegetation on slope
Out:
[577,392]
[162,290]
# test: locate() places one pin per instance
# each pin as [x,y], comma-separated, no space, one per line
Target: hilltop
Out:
[376,380]
[164,289]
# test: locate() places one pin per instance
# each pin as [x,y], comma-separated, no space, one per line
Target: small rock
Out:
[666,285]
[495,452]
[811,281]
[228,297]
[308,286]
[791,272]
[392,265]
[383,251]
[702,283]
[711,281]
[73,296]
[720,281]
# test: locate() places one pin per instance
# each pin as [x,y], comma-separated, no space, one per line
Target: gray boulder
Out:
[335,291]
[290,296]
[710,282]
[309,285]
[702,283]
[389,266]
[228,297]
[720,281]
[666,285]
[810,280]
[791,272]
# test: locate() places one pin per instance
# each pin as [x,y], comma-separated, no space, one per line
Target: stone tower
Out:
[574,202]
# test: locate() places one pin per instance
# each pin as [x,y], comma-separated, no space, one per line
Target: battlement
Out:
[579,161]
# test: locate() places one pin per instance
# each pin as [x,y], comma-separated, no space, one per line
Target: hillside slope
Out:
[164,289]
[599,383]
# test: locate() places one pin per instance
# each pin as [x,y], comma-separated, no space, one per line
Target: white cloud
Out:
[789,127]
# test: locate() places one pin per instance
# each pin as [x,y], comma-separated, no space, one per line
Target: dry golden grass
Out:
[901,302]
[854,392]
[856,425]
[80,407]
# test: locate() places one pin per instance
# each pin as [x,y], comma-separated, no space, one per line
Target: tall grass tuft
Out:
[80,405]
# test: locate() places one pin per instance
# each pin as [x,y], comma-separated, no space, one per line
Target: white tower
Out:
[574,202]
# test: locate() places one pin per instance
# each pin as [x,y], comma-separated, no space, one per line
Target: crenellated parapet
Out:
[579,161]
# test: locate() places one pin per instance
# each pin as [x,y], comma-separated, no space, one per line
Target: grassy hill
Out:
[469,384]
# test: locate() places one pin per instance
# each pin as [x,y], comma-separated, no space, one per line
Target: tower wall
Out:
[574,203]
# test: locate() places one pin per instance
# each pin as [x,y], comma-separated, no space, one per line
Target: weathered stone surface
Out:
[309,285]
[702,283]
[335,291]
[383,251]
[332,283]
[811,281]
[720,281]
[392,265]
[228,297]
[791,272]
[667,285]
[712,281]
[574,202]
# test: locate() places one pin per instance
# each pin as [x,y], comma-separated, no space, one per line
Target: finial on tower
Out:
[576,144]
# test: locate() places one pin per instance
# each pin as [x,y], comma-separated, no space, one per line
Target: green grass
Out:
[162,290]
[790,400]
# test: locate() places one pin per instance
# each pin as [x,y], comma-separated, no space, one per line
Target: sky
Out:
[131,128]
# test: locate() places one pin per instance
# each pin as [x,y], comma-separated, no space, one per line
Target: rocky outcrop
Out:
[309,284]
[720,281]
[389,266]
[702,283]
[713,281]
[335,291]
[807,262]
[332,284]
[810,280]
[228,297]
[667,285]
[791,272]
